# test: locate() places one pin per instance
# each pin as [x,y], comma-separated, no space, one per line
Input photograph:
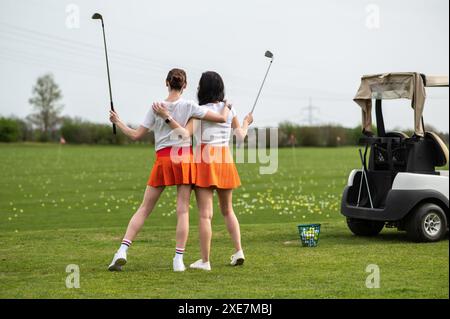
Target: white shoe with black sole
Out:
[120,259]
[237,259]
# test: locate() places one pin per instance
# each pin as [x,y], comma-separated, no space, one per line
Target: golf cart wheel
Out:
[427,223]
[366,228]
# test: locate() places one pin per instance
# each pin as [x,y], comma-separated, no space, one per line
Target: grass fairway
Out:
[62,205]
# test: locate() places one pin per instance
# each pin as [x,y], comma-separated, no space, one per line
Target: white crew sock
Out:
[125,245]
[179,253]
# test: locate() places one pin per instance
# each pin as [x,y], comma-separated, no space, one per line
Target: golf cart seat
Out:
[426,153]
[440,150]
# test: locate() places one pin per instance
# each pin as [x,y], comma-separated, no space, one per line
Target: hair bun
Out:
[176,79]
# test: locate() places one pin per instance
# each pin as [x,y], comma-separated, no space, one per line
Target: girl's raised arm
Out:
[241,131]
[128,131]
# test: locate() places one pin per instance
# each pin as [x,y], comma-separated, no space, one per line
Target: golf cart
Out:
[398,184]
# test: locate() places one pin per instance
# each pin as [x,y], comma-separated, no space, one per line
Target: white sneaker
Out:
[237,259]
[178,265]
[120,259]
[199,264]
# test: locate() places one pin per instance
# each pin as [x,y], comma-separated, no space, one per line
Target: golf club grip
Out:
[114,125]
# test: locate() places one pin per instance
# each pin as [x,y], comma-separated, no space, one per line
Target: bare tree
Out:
[45,102]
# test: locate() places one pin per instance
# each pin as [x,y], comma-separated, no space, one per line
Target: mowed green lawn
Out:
[62,205]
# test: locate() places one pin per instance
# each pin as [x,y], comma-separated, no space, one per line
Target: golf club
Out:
[269,55]
[364,177]
[98,16]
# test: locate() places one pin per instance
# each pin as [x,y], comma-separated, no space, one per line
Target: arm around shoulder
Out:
[221,117]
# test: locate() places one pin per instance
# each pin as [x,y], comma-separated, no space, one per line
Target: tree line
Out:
[45,124]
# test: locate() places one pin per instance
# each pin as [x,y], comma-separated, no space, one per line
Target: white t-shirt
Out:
[217,133]
[181,111]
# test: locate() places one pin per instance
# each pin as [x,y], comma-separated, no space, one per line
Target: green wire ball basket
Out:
[309,234]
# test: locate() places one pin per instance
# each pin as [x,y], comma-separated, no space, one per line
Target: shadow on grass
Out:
[392,236]
[334,236]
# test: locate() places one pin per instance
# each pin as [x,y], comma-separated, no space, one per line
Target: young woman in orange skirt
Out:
[215,168]
[173,165]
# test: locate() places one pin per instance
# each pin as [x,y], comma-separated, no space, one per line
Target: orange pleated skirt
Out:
[215,167]
[173,166]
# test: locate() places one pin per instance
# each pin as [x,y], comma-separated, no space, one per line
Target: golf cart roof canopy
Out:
[389,86]
[436,81]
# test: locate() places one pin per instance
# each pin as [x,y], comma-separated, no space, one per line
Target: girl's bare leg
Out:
[151,196]
[231,221]
[204,198]
[183,199]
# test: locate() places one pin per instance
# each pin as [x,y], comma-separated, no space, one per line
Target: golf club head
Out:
[97,16]
[269,55]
